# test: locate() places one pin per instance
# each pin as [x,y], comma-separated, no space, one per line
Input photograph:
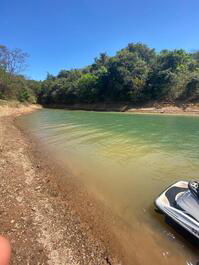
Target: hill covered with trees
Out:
[136,74]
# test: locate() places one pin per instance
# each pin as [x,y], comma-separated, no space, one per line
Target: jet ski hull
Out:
[167,204]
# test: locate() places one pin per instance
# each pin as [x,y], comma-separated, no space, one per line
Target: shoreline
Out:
[47,222]
[188,109]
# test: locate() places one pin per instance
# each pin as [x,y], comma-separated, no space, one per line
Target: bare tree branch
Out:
[12,61]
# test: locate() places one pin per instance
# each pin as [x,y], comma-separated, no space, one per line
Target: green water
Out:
[127,160]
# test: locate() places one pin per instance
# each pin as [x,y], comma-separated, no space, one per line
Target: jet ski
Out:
[180,202]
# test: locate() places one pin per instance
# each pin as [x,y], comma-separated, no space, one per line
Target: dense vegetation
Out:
[136,74]
[14,86]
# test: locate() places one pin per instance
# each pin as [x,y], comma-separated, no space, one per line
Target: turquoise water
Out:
[127,160]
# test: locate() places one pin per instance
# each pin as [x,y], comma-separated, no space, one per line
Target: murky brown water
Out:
[127,160]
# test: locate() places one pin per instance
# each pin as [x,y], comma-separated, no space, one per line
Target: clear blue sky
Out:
[64,34]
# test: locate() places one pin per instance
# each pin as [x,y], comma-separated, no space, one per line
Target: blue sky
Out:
[63,34]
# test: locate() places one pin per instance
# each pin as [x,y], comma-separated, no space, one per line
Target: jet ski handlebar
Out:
[193,186]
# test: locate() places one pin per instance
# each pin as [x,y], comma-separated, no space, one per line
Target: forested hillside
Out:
[13,85]
[136,74]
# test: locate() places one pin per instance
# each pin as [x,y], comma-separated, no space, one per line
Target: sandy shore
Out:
[43,223]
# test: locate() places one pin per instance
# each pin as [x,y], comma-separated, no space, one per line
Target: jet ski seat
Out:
[189,200]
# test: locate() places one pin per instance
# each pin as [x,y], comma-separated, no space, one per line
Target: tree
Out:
[12,61]
[195,56]
[13,85]
[87,88]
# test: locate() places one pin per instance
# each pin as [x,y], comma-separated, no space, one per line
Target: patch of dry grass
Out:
[14,107]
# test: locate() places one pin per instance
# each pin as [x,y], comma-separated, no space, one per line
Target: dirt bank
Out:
[15,108]
[153,107]
[44,225]
[165,108]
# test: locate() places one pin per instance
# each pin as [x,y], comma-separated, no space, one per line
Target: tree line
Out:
[137,74]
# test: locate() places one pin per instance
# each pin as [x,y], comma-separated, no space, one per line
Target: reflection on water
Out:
[127,160]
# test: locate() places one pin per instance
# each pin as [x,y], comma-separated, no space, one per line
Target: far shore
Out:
[191,109]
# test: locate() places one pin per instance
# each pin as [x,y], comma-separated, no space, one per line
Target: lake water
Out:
[127,160]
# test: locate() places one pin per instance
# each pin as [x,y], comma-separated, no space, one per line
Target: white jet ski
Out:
[180,202]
